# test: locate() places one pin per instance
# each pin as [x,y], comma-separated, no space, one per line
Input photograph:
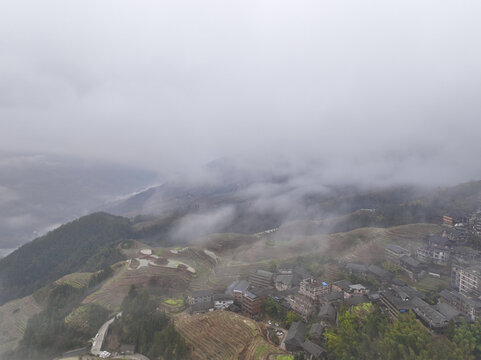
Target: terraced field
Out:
[367,244]
[77,280]
[112,292]
[224,335]
[13,321]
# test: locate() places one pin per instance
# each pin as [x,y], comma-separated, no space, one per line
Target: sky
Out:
[353,89]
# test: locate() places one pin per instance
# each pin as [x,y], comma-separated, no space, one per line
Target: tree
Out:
[292,317]
[404,339]
[274,309]
[351,340]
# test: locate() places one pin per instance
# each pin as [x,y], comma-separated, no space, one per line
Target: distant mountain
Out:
[231,202]
[41,192]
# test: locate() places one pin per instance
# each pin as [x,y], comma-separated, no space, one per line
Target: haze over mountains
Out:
[41,192]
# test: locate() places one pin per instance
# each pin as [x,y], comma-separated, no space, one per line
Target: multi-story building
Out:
[401,300]
[238,290]
[434,254]
[261,279]
[467,305]
[475,223]
[455,272]
[253,302]
[302,305]
[313,288]
[470,280]
[201,296]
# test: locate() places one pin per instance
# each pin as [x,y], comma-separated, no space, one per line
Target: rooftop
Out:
[343,284]
[356,267]
[397,249]
[223,297]
[316,330]
[284,279]
[356,300]
[338,295]
[203,306]
[428,313]
[315,350]
[263,273]
[380,272]
[454,296]
[296,334]
[328,312]
[410,261]
[202,293]
[475,270]
[357,287]
[241,286]
[447,310]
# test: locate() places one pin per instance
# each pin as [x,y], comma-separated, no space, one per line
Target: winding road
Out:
[99,339]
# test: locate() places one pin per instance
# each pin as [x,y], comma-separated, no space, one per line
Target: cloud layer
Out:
[354,90]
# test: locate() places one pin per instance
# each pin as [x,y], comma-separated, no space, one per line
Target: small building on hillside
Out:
[448,221]
[332,298]
[127,349]
[200,296]
[450,312]
[328,314]
[414,268]
[380,274]
[356,269]
[313,351]
[295,336]
[200,308]
[317,329]
[261,279]
[223,301]
[356,300]
[285,269]
[146,252]
[356,290]
[341,285]
[394,253]
[284,282]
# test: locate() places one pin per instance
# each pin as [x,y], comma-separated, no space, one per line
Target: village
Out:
[283,308]
[297,307]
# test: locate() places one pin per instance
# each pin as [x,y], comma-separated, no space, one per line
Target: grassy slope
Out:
[13,321]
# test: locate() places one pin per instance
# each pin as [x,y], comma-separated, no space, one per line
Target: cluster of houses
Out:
[317,302]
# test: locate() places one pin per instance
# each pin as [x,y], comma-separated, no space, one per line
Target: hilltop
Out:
[81,245]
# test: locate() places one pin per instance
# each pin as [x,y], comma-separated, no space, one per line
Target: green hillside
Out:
[81,245]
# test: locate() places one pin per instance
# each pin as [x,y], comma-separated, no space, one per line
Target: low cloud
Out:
[193,227]
[354,91]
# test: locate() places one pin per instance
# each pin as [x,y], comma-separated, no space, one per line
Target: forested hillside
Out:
[81,245]
[151,331]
